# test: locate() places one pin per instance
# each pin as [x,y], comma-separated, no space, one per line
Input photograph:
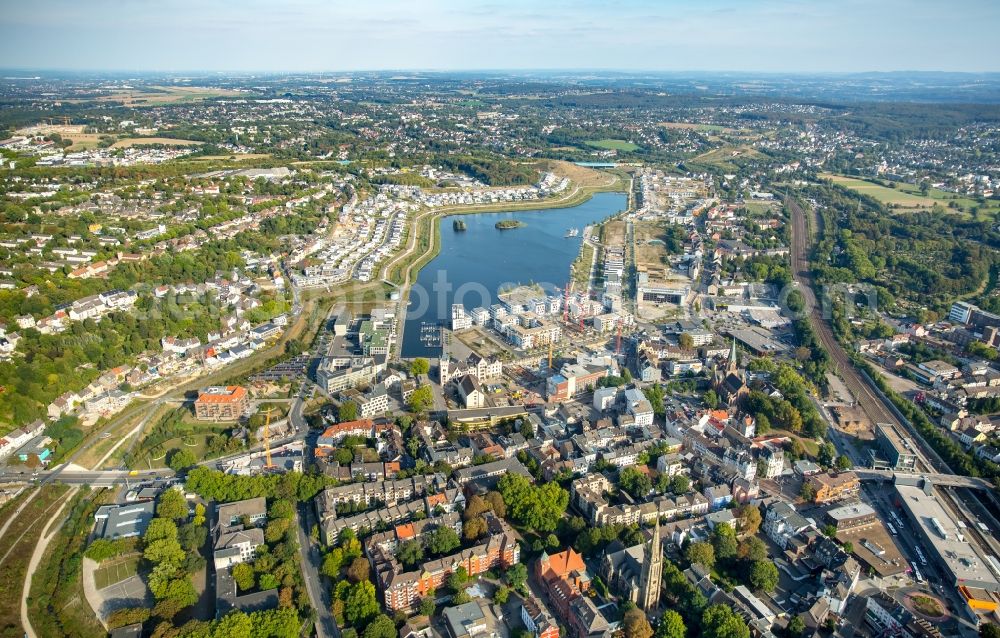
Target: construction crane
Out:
[618,341]
[566,302]
[267,440]
[550,353]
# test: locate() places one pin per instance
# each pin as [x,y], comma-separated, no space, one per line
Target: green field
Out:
[758,208]
[909,196]
[115,571]
[726,158]
[196,443]
[888,196]
[613,145]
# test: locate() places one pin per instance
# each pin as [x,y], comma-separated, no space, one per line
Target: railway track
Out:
[868,400]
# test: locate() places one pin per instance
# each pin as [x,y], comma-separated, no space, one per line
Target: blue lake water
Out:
[476,262]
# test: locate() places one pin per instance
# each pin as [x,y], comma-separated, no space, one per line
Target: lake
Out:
[473,264]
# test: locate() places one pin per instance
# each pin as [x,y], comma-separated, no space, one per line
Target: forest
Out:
[490,171]
[915,259]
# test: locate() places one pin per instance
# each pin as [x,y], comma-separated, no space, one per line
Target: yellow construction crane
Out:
[267,440]
[550,354]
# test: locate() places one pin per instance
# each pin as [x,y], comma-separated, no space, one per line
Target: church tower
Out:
[731,363]
[651,580]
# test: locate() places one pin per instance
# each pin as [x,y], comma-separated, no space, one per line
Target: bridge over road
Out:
[942,480]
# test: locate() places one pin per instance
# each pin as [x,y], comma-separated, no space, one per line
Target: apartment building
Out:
[218,403]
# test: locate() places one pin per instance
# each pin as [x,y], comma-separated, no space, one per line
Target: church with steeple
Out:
[652,573]
[730,381]
[636,572]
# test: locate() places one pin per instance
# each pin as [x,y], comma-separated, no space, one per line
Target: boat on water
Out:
[573,232]
[430,334]
[458,224]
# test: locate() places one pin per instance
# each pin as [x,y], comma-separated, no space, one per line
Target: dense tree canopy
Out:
[536,507]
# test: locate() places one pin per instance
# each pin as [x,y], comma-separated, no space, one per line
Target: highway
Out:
[94,478]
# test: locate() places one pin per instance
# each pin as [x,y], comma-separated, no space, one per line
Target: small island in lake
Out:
[507,224]
[458,224]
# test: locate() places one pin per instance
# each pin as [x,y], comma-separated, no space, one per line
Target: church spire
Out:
[651,580]
[732,361]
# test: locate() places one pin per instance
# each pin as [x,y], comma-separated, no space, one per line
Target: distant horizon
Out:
[318,36]
[487,70]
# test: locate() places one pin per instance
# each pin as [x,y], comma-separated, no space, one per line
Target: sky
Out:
[636,35]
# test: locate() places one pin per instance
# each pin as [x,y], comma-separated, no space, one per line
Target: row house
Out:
[385,492]
[587,494]
[365,428]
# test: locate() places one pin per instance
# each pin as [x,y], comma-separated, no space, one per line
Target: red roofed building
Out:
[405,532]
[401,589]
[564,576]
[219,403]
[333,435]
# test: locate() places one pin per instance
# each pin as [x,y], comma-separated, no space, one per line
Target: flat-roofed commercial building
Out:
[894,449]
[962,561]
[852,516]
[124,521]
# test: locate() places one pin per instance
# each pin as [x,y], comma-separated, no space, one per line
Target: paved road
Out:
[319,595]
[94,478]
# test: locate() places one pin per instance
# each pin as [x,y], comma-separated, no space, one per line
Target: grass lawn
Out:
[115,571]
[811,446]
[196,443]
[186,433]
[613,145]
[945,198]
[758,208]
[909,196]
[581,266]
[927,606]
[157,95]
